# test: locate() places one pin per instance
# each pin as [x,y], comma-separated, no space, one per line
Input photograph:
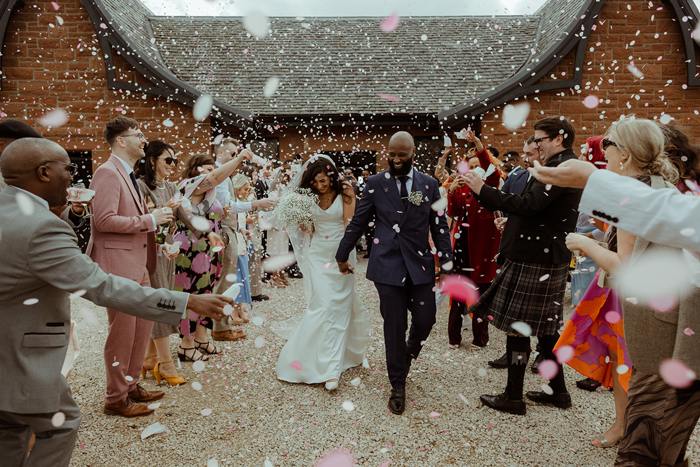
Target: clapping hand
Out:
[174,203]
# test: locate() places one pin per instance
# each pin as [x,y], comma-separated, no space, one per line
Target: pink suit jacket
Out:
[122,238]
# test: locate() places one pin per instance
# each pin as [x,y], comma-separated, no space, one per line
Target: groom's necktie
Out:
[404,192]
[136,185]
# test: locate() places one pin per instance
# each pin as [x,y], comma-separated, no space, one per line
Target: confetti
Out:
[548,369]
[434,414]
[337,458]
[665,119]
[622,369]
[77,293]
[522,328]
[460,288]
[202,107]
[206,412]
[128,378]
[58,419]
[57,117]
[439,205]
[212,463]
[676,374]
[564,353]
[115,364]
[546,389]
[296,365]
[688,232]
[514,115]
[390,23]
[152,430]
[197,386]
[169,123]
[31,301]
[481,372]
[612,317]
[199,365]
[154,406]
[278,262]
[348,406]
[356,382]
[271,86]
[389,97]
[544,278]
[688,332]
[591,102]
[257,24]
[258,321]
[663,304]
[259,341]
[228,309]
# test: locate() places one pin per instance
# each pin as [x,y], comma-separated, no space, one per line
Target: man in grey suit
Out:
[42,265]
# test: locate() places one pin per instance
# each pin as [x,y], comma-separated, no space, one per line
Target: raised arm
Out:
[218,176]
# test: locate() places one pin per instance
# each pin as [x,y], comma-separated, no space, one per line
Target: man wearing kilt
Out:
[529,288]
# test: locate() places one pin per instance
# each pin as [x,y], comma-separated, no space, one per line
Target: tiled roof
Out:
[556,16]
[329,66]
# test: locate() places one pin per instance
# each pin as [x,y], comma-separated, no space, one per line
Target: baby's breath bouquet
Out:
[296,208]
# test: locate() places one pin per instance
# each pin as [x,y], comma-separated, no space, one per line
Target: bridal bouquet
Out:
[295,207]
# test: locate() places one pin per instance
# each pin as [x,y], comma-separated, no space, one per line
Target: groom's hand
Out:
[345,268]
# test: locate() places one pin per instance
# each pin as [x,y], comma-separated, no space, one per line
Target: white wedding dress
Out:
[333,333]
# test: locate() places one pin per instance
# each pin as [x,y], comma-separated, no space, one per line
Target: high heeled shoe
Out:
[144,369]
[183,357]
[331,385]
[284,280]
[277,283]
[172,380]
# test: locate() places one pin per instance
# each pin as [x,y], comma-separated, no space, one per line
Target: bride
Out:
[334,330]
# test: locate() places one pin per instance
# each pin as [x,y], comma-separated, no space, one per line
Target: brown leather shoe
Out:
[230,335]
[127,408]
[141,395]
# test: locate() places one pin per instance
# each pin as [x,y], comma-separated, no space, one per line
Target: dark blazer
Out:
[516,182]
[539,219]
[402,246]
[261,189]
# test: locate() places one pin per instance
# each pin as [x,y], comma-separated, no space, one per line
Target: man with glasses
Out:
[12,130]
[528,292]
[122,243]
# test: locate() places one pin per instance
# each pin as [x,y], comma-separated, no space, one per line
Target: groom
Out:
[401,262]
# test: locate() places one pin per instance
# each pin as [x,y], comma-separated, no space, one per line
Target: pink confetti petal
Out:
[386,463]
[460,288]
[688,332]
[462,167]
[663,304]
[389,97]
[591,102]
[624,200]
[564,353]
[548,369]
[296,365]
[390,23]
[55,5]
[338,458]
[612,317]
[434,414]
[676,373]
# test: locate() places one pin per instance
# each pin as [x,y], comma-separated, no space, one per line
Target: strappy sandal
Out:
[183,357]
[149,370]
[204,347]
[599,441]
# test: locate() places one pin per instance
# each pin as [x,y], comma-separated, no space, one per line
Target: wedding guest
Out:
[255,261]
[152,174]
[667,217]
[633,148]
[511,162]
[475,245]
[242,190]
[683,154]
[198,267]
[121,224]
[43,263]
[531,283]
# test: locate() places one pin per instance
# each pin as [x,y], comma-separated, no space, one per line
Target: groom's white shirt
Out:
[409,182]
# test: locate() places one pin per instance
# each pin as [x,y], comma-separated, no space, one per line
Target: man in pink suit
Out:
[122,243]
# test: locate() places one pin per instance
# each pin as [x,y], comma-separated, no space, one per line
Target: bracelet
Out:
[76,214]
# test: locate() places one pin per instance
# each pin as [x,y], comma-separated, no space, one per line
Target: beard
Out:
[404,170]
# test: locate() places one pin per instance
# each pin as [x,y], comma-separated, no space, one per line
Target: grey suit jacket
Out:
[41,260]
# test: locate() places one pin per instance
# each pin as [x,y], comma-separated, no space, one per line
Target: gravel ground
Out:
[257,420]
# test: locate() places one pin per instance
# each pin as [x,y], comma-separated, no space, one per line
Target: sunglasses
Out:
[72,168]
[169,160]
[607,143]
[538,141]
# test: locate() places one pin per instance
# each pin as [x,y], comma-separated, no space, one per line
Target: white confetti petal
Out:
[213,463]
[128,378]
[258,321]
[206,412]
[348,406]
[152,430]
[200,223]
[544,278]
[58,419]
[515,115]
[168,123]
[197,386]
[271,86]
[31,301]
[356,382]
[115,364]
[481,372]
[228,309]
[154,406]
[546,389]
[199,365]
[202,107]
[57,117]
[688,232]
[257,24]
[522,328]
[259,341]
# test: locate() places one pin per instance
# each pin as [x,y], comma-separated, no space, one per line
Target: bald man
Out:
[401,261]
[42,266]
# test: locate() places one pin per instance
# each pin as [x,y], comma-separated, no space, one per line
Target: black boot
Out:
[501,362]
[511,401]
[560,397]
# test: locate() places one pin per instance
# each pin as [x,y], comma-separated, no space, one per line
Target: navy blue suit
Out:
[516,183]
[401,263]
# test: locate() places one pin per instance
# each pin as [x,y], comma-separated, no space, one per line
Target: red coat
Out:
[481,237]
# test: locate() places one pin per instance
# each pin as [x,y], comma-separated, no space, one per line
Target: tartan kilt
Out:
[518,294]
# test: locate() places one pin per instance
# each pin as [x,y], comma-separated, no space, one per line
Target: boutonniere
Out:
[416,197]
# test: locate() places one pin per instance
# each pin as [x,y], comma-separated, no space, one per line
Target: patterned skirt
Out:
[529,292]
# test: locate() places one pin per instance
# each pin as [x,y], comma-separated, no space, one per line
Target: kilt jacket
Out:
[538,219]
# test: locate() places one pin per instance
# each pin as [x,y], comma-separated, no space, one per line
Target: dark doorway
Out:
[357,161]
[428,151]
[83,159]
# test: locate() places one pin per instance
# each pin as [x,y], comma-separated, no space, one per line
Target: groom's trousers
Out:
[394,304]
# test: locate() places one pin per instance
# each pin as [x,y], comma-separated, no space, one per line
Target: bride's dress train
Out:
[333,333]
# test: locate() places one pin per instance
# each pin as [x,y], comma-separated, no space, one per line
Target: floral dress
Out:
[197,267]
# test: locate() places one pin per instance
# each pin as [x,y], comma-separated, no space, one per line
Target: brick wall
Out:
[657,51]
[46,65]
